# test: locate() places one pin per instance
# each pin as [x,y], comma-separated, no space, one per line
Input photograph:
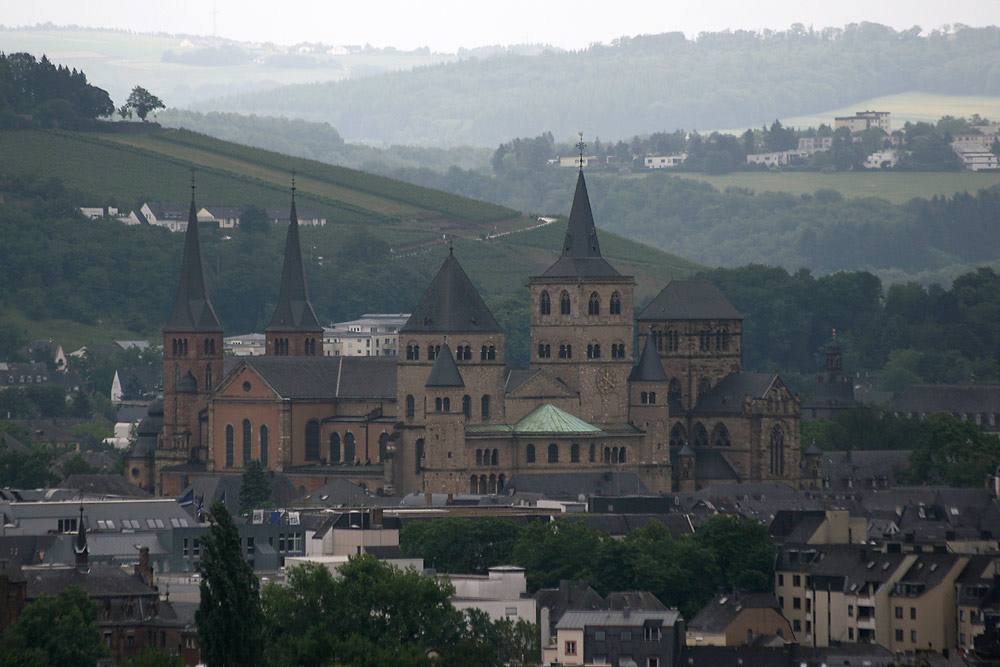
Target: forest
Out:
[39,92]
[627,87]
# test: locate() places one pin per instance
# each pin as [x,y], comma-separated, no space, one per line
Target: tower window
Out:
[349,453]
[467,406]
[312,439]
[230,436]
[409,406]
[615,306]
[544,304]
[334,448]
[486,407]
[553,453]
[544,351]
[564,305]
[529,453]
[247,430]
[594,304]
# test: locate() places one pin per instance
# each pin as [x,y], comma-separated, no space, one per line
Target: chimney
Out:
[428,499]
[143,568]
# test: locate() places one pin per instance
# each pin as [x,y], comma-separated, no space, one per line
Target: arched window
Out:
[593,453]
[467,406]
[383,447]
[607,455]
[334,448]
[437,404]
[474,485]
[501,480]
[492,487]
[621,455]
[350,455]
[447,404]
[486,407]
[704,386]
[776,449]
[590,350]
[230,436]
[492,353]
[263,446]
[677,436]
[208,377]
[594,304]
[247,437]
[544,350]
[705,340]
[553,453]
[544,304]
[312,439]
[529,453]
[673,341]
[562,351]
[433,351]
[699,435]
[409,352]
[644,398]
[479,457]
[409,406]
[418,455]
[720,435]
[652,397]
[482,485]
[416,352]
[674,391]
[495,458]
[564,307]
[597,350]
[484,353]
[466,353]
[574,453]
[618,350]
[615,307]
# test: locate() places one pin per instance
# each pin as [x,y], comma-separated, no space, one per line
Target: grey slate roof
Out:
[721,611]
[294,311]
[956,398]
[517,377]
[571,485]
[649,368]
[328,377]
[573,619]
[101,581]
[451,304]
[727,396]
[690,300]
[581,253]
[120,546]
[192,310]
[104,485]
[444,373]
[336,493]
[710,464]
[861,469]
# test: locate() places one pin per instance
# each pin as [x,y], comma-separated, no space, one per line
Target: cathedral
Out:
[659,397]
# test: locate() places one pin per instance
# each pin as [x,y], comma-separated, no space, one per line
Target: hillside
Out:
[103,273]
[638,84]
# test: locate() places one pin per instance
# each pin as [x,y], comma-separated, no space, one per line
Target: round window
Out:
[246,386]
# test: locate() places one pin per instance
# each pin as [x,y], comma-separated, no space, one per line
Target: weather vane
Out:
[581,146]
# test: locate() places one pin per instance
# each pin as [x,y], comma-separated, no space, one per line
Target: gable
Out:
[234,386]
[541,385]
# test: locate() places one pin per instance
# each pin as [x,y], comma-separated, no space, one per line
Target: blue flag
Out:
[187,500]
[222,498]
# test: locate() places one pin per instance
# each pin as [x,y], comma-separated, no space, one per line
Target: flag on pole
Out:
[187,500]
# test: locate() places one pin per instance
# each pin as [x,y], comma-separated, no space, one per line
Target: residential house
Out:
[618,637]
[306,216]
[371,335]
[737,618]
[665,161]
[501,593]
[245,345]
[864,120]
[171,215]
[226,217]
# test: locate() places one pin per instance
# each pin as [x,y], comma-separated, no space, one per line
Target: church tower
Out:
[294,329]
[451,348]
[581,319]
[192,359]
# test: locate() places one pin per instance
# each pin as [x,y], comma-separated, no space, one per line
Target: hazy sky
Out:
[445,25]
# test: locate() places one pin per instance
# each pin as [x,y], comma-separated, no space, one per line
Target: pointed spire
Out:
[445,372]
[294,311]
[80,547]
[451,304]
[649,368]
[581,253]
[192,309]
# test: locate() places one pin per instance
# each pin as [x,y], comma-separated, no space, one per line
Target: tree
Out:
[254,219]
[55,630]
[743,550]
[254,488]
[952,452]
[155,657]
[143,102]
[551,551]
[460,545]
[229,616]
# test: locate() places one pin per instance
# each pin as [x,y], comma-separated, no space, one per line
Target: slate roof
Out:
[104,485]
[327,377]
[192,309]
[581,253]
[101,581]
[121,546]
[710,464]
[451,304]
[955,398]
[26,549]
[294,311]
[649,368]
[573,619]
[7,441]
[727,396]
[517,377]
[337,492]
[721,611]
[572,485]
[690,300]
[444,373]
[861,469]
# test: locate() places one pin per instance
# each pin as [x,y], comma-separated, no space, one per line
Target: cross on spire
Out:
[581,146]
[192,183]
[293,185]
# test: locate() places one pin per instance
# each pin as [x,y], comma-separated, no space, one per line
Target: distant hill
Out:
[634,85]
[383,242]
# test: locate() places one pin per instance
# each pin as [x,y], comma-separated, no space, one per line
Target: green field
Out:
[895,186]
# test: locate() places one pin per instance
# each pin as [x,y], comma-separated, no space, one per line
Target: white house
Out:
[665,161]
[502,593]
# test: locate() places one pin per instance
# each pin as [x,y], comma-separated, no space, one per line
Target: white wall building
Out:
[665,161]
[371,335]
[502,593]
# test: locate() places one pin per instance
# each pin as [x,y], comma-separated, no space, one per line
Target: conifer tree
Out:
[254,489]
[230,622]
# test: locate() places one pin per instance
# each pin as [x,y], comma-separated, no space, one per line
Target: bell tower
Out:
[192,358]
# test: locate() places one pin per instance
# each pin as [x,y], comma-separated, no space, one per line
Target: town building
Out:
[977,403]
[665,161]
[864,120]
[371,335]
